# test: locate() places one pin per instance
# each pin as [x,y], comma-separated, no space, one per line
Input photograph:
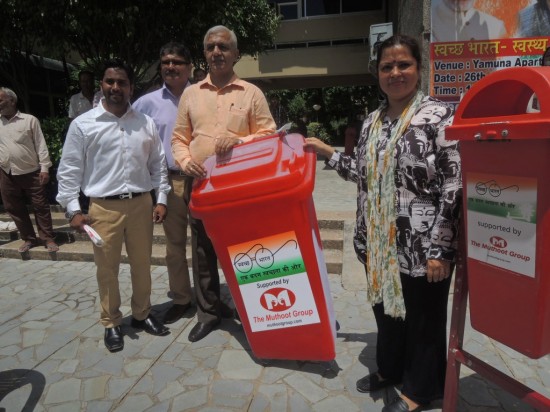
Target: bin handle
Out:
[506,93]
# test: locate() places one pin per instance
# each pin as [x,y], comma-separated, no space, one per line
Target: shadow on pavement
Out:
[17,378]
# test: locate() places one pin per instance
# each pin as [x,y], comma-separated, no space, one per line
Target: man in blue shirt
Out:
[162,106]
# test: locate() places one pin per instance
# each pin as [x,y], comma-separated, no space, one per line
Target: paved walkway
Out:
[52,356]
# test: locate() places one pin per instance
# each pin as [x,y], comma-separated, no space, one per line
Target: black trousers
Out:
[206,277]
[414,351]
[15,189]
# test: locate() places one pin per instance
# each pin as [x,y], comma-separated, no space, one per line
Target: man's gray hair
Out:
[10,93]
[220,29]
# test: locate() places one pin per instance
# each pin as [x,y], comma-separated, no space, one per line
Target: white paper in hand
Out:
[93,236]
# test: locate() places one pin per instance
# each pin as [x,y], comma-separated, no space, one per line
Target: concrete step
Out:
[331,234]
[83,251]
[75,246]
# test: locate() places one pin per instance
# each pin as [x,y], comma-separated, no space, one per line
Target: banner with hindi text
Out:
[472,38]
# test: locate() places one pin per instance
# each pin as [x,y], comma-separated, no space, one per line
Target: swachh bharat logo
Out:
[277,299]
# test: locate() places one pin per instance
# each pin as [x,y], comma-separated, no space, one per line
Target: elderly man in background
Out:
[24,171]
[213,116]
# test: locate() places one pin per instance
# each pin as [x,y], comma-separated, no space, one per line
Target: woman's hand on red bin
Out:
[319,146]
[438,270]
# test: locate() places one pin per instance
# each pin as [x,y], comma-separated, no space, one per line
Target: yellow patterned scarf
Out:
[383,279]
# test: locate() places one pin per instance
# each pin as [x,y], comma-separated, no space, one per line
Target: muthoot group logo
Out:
[497,241]
[277,299]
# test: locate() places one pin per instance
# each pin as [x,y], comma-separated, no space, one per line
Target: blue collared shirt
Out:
[162,106]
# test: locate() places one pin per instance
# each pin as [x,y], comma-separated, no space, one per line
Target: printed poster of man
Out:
[471,38]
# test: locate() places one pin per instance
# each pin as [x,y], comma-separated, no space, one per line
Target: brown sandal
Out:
[52,246]
[26,246]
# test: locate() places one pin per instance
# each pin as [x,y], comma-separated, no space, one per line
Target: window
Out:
[291,10]
[322,7]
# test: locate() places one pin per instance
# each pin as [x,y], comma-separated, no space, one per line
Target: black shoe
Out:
[113,339]
[399,405]
[372,382]
[226,312]
[150,325]
[175,313]
[201,330]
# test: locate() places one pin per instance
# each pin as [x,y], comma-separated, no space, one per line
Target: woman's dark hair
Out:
[403,40]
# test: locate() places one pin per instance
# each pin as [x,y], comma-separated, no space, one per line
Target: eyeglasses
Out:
[174,62]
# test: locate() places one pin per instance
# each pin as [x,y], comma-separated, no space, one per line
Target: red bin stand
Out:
[503,256]
[257,208]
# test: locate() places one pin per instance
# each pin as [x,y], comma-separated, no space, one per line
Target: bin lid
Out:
[495,108]
[263,166]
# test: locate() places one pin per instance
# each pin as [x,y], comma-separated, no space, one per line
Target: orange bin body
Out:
[257,208]
[505,153]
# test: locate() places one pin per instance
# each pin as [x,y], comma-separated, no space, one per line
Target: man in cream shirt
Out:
[213,116]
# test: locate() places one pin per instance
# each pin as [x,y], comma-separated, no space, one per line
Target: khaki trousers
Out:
[129,221]
[175,229]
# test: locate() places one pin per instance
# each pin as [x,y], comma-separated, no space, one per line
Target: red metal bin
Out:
[257,208]
[505,153]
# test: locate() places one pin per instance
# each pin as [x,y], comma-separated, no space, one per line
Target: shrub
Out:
[318,130]
[55,129]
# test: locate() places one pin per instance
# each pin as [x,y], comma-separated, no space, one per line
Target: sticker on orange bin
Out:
[502,221]
[273,282]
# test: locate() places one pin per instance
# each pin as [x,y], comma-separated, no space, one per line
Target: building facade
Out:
[322,43]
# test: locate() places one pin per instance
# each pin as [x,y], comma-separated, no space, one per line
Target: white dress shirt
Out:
[106,155]
[78,104]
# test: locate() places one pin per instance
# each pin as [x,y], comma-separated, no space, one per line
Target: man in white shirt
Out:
[115,155]
[458,20]
[82,102]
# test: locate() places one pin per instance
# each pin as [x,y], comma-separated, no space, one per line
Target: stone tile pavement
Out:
[52,356]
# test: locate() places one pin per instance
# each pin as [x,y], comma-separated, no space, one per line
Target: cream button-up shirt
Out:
[206,113]
[23,148]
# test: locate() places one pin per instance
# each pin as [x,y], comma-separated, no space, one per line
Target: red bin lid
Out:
[263,166]
[495,108]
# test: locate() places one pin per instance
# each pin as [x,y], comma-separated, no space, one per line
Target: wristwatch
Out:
[71,215]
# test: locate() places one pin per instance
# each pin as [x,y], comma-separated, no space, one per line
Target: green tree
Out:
[134,31]
[22,33]
[339,107]
[129,29]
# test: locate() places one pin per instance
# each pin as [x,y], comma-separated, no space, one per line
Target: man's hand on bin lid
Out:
[225,144]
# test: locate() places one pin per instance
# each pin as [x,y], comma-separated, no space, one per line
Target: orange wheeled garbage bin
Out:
[257,208]
[505,154]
